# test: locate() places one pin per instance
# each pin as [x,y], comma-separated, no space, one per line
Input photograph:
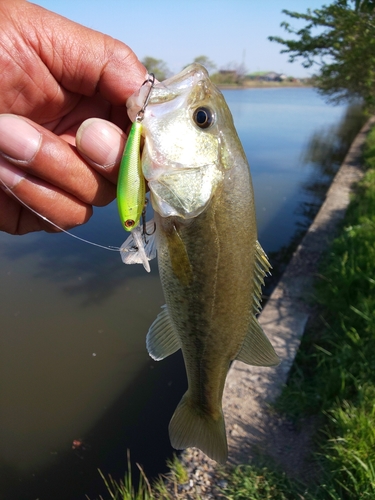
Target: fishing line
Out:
[111,248]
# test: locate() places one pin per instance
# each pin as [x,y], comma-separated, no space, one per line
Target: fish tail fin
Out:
[189,427]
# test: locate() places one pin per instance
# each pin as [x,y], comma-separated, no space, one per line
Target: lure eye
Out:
[129,223]
[203,117]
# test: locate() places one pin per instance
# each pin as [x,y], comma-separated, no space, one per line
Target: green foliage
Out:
[246,482]
[334,372]
[178,471]
[156,66]
[349,452]
[206,62]
[226,78]
[340,40]
[125,490]
[364,5]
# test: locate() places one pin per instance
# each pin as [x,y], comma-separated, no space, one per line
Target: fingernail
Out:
[19,140]
[100,141]
[10,175]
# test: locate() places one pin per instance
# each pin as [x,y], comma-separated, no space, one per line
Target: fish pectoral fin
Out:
[139,248]
[191,427]
[256,349]
[162,339]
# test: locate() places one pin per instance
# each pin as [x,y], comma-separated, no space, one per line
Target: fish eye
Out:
[203,117]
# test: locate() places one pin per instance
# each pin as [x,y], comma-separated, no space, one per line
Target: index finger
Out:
[95,62]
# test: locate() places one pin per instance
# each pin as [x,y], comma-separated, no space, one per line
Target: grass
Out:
[334,373]
[125,490]
[333,376]
[247,482]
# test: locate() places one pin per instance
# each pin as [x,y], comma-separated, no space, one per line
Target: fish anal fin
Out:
[162,340]
[256,349]
[189,427]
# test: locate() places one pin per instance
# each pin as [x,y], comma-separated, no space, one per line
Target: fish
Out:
[211,264]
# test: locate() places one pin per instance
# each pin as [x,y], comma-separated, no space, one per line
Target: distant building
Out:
[228,72]
[274,77]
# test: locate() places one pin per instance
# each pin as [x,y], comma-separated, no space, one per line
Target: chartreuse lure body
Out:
[131,187]
[139,247]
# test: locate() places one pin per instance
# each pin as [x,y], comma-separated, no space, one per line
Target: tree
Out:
[206,62]
[343,48]
[364,5]
[156,66]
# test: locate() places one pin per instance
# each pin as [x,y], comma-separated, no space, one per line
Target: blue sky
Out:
[227,31]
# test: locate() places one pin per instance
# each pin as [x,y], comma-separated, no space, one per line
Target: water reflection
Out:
[275,126]
[325,152]
[76,267]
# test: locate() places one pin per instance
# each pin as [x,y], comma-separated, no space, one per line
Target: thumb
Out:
[101,144]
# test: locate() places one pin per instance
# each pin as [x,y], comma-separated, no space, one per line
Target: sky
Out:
[229,32]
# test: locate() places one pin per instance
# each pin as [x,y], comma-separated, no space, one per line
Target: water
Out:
[275,126]
[77,387]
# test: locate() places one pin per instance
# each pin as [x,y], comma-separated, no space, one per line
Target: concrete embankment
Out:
[249,390]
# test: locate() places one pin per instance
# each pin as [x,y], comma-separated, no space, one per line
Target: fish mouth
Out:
[167,90]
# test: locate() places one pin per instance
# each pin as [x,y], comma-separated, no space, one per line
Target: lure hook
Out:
[144,230]
[141,112]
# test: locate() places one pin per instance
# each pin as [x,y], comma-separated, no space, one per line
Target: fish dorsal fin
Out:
[261,268]
[162,340]
[257,349]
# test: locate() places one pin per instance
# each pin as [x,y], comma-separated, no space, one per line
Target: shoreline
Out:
[262,85]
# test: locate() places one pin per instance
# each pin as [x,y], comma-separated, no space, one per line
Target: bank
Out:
[261,84]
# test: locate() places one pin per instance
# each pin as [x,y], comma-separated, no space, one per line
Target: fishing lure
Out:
[138,248]
[131,185]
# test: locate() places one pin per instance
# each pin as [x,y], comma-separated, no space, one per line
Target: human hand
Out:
[54,75]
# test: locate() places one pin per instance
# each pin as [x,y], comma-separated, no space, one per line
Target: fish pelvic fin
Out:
[162,339]
[190,427]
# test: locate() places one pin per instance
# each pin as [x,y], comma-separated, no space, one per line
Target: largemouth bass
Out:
[210,262]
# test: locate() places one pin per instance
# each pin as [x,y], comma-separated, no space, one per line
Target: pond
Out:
[77,388]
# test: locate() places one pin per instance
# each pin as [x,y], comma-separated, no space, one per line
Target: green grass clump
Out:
[247,482]
[125,490]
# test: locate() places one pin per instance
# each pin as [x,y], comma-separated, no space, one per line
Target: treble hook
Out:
[144,230]
[141,112]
